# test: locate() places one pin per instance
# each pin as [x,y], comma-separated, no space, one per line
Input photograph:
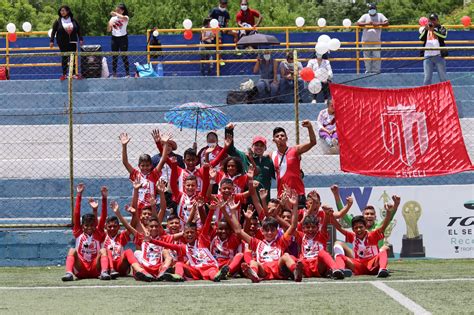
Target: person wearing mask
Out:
[248,16]
[286,84]
[207,38]
[372,23]
[67,32]
[321,62]
[433,36]
[118,26]
[221,14]
[267,89]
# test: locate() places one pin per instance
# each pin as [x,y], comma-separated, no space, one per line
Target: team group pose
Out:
[220,220]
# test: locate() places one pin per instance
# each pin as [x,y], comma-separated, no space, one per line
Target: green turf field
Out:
[436,286]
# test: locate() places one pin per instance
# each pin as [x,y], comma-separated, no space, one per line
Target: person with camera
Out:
[434,36]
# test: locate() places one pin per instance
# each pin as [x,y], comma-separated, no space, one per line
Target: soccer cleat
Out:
[104,276]
[383,273]
[338,274]
[114,274]
[144,276]
[170,277]
[298,271]
[250,273]
[68,277]
[347,273]
[221,274]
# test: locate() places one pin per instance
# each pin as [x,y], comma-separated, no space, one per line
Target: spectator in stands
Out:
[221,14]
[372,22]
[118,26]
[321,63]
[266,85]
[212,142]
[326,124]
[433,36]
[67,32]
[246,18]
[286,83]
[207,37]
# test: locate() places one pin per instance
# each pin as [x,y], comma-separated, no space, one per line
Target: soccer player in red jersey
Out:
[121,260]
[95,207]
[145,172]
[368,260]
[87,259]
[269,252]
[286,160]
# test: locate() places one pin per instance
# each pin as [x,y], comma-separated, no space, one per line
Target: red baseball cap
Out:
[259,139]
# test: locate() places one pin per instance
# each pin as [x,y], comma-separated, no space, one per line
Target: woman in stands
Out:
[67,32]
[118,26]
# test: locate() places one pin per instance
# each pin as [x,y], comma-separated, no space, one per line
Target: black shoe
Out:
[114,274]
[104,276]
[338,274]
[383,273]
[68,277]
[347,273]
[170,277]
[144,276]
[221,274]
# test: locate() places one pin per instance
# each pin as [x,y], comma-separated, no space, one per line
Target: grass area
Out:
[239,296]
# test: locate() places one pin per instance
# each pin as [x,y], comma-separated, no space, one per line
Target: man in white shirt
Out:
[372,22]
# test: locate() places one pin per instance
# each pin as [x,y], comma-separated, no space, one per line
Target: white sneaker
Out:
[314,102]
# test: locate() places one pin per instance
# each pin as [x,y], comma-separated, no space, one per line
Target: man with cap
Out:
[433,36]
[255,156]
[372,22]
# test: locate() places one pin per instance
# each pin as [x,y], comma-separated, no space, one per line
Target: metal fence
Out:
[56,134]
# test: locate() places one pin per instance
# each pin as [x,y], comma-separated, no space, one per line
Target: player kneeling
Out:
[367,258]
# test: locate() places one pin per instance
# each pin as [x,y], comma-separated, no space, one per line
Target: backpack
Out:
[4,74]
[146,71]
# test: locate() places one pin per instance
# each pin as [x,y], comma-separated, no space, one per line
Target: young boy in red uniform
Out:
[367,258]
[87,259]
[145,172]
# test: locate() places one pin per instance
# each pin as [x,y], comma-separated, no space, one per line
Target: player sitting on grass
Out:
[148,175]
[151,256]
[269,252]
[121,260]
[87,259]
[199,264]
[368,260]
[312,243]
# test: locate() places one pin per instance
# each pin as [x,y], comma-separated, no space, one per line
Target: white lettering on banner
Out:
[446,224]
[401,136]
[417,173]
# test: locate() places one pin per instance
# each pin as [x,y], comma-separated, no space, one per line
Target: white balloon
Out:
[11,28]
[187,24]
[156,33]
[214,23]
[299,21]
[324,39]
[315,86]
[346,23]
[26,27]
[321,74]
[321,22]
[322,48]
[50,32]
[334,44]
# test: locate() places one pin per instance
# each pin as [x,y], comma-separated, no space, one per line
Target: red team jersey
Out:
[240,181]
[310,247]
[267,252]
[117,243]
[237,198]
[224,250]
[366,248]
[151,254]
[288,170]
[148,188]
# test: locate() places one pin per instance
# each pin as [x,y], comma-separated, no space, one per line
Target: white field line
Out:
[223,284]
[400,298]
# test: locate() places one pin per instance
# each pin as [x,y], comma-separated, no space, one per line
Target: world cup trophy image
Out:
[412,242]
[385,197]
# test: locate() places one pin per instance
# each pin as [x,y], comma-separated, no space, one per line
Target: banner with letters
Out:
[432,221]
[412,132]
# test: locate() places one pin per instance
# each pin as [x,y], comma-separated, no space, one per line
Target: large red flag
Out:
[412,132]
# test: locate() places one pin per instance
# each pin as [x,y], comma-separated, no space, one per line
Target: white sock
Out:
[338,250]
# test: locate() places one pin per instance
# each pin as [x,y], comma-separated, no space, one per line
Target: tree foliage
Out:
[93,15]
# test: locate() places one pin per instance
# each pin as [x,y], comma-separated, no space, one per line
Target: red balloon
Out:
[423,21]
[12,37]
[215,31]
[307,74]
[188,34]
[466,20]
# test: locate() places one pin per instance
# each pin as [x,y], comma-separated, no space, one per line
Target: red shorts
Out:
[87,269]
[366,266]
[222,262]
[310,267]
[201,273]
[272,270]
[154,270]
